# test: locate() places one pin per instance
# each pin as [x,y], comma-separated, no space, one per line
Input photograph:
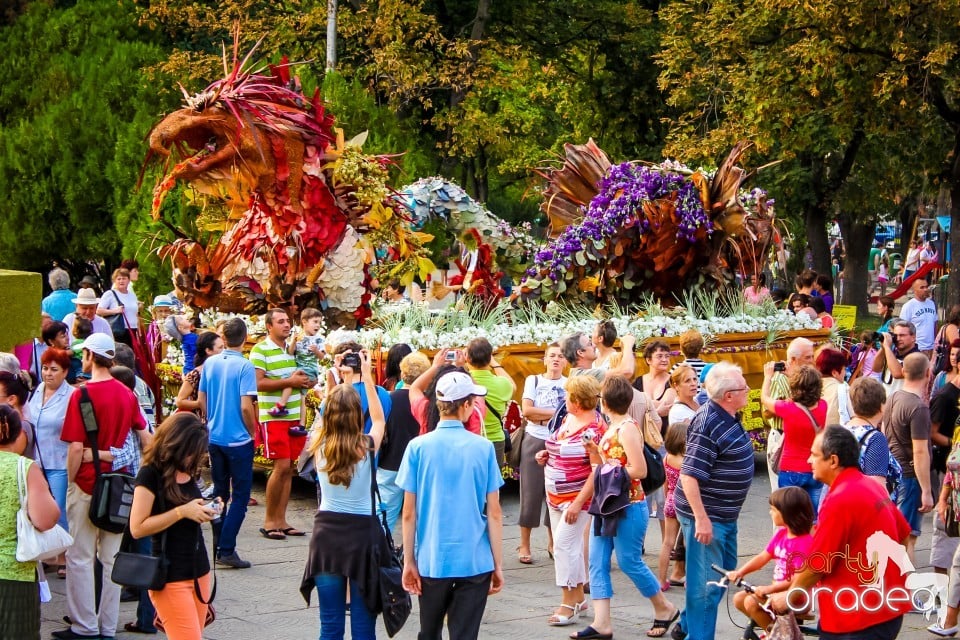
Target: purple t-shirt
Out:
[790,553]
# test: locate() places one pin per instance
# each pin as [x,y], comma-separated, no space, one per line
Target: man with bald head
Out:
[906,423]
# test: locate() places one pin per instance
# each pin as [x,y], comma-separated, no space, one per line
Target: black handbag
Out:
[656,474]
[117,322]
[950,524]
[395,602]
[112,492]
[140,570]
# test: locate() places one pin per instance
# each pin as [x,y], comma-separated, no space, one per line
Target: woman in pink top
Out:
[804,415]
[757,292]
[567,479]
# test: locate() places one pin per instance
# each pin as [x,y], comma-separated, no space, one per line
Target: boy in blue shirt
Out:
[452,520]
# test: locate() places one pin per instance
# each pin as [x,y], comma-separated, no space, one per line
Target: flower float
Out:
[641,229]
[288,202]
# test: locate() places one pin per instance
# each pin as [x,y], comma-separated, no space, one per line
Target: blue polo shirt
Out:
[59,304]
[451,471]
[226,377]
[385,401]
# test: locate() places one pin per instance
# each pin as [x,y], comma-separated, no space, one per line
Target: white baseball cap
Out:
[457,386]
[100,344]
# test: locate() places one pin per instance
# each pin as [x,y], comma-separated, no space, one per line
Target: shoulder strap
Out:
[813,421]
[22,481]
[91,427]
[496,414]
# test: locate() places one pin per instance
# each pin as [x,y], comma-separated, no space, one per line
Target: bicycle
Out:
[750,631]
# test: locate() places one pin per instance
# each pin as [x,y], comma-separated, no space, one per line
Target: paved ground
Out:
[264,602]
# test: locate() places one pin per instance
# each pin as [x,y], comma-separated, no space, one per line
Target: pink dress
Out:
[673,477]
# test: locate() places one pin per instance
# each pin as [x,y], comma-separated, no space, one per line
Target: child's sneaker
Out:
[298,431]
[278,411]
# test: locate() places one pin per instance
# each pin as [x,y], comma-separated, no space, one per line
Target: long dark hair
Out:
[433,413]
[179,444]
[10,424]
[392,369]
[205,341]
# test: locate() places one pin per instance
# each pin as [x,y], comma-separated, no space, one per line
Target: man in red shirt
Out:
[117,412]
[840,574]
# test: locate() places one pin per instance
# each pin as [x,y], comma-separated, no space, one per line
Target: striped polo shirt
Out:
[720,456]
[276,364]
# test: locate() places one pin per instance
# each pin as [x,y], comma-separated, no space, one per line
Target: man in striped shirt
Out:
[715,477]
[283,436]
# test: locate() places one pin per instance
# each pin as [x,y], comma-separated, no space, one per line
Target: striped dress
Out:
[568,464]
[277,365]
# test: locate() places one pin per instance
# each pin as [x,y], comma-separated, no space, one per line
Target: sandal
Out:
[591,634]
[937,630]
[558,620]
[524,558]
[290,531]
[660,627]
[273,534]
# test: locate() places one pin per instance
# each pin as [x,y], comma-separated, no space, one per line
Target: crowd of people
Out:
[878,420]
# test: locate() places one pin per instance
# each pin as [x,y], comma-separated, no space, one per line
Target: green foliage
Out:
[74,108]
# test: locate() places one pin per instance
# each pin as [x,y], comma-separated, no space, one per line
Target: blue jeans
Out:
[806,482]
[628,542]
[392,497]
[231,468]
[699,617]
[57,479]
[332,597]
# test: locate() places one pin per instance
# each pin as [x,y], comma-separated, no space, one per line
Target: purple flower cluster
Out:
[621,195]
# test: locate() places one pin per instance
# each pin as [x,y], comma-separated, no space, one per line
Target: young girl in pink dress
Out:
[675,443]
[792,513]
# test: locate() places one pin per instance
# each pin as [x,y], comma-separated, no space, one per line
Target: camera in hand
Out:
[779,367]
[352,360]
[216,506]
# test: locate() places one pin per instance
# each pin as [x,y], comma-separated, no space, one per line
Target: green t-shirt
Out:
[277,365]
[499,392]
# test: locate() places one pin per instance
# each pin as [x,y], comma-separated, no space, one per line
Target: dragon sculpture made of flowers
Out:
[625,231]
[301,209]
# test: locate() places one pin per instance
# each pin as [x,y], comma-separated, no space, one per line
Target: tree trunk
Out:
[331,35]
[815,220]
[857,239]
[953,282]
[457,95]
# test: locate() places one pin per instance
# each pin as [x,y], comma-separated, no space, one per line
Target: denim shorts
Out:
[908,501]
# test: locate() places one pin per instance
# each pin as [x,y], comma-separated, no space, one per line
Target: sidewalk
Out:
[264,603]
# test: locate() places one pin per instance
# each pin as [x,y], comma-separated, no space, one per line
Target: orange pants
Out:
[178,608]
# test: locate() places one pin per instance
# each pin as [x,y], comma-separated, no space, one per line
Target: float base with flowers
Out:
[734,331]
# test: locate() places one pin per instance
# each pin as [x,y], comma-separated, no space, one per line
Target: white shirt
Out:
[131,306]
[99,325]
[680,412]
[546,394]
[923,315]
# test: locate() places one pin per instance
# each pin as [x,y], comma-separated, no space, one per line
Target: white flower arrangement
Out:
[545,332]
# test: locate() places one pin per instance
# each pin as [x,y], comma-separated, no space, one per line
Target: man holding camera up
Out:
[900,342]
[283,436]
[346,358]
